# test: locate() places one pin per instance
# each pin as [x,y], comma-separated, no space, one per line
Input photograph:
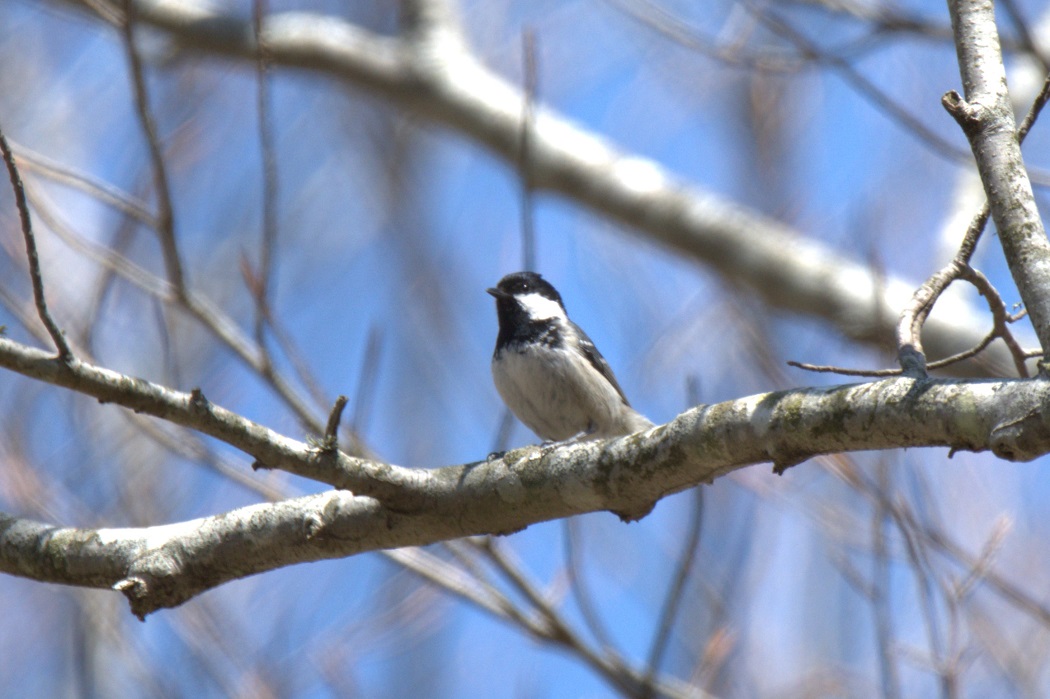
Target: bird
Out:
[548,371]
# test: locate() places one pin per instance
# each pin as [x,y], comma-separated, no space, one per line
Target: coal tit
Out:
[548,372]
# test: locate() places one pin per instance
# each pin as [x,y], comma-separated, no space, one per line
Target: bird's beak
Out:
[498,294]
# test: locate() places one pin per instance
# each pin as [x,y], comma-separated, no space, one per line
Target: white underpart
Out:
[558,394]
[540,307]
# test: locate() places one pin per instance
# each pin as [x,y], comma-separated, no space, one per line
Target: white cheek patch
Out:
[540,307]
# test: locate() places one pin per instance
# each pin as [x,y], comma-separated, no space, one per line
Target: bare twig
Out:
[366,381]
[165,212]
[1034,111]
[881,592]
[105,256]
[528,224]
[883,20]
[909,330]
[503,431]
[878,98]
[269,196]
[979,568]
[1000,317]
[973,234]
[20,310]
[64,352]
[916,312]
[557,627]
[982,565]
[910,353]
[1025,36]
[291,351]
[922,569]
[331,431]
[843,371]
[932,366]
[464,585]
[676,590]
[608,662]
[581,593]
[102,191]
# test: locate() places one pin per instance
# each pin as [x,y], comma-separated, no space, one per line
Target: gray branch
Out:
[392,506]
[986,116]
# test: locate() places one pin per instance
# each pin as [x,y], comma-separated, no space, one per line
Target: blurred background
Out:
[893,574]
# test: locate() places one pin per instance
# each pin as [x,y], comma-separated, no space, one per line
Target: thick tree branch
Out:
[163,566]
[986,116]
[434,74]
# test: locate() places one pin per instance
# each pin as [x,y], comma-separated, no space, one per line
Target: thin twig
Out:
[64,353]
[528,226]
[845,371]
[19,309]
[331,430]
[973,234]
[923,571]
[557,627]
[609,662]
[103,192]
[882,595]
[1021,27]
[1000,317]
[1034,111]
[983,564]
[465,585]
[503,431]
[910,352]
[468,556]
[879,99]
[105,256]
[669,613]
[979,568]
[269,164]
[1000,329]
[366,382]
[286,344]
[882,22]
[577,585]
[165,212]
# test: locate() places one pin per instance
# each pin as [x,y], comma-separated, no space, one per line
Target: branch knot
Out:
[968,115]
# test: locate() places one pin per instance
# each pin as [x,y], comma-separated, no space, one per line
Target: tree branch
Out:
[165,211]
[164,566]
[986,117]
[35,276]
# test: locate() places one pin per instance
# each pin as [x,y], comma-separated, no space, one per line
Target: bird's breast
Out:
[556,393]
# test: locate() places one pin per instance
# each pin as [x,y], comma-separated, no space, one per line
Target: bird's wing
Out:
[597,360]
